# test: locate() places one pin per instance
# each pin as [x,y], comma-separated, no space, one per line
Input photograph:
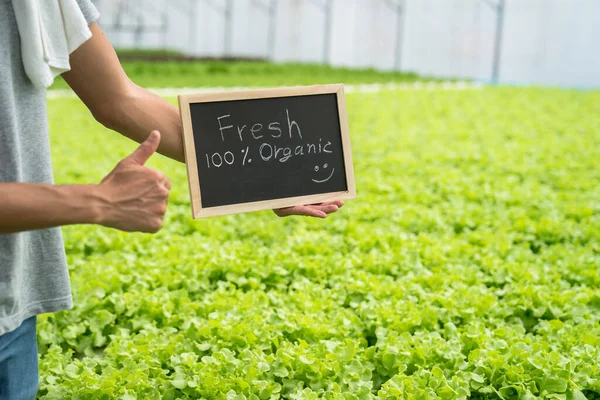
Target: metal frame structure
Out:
[270,9]
[399,6]
[190,11]
[139,28]
[499,7]
[326,6]
[226,12]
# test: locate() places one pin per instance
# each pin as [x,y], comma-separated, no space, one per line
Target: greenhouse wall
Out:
[542,42]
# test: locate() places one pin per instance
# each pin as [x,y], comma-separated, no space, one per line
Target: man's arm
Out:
[131,198]
[116,102]
[98,79]
[27,206]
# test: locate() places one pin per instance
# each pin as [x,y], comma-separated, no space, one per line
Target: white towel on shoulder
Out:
[50,30]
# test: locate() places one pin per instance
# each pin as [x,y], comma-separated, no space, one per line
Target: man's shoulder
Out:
[89,11]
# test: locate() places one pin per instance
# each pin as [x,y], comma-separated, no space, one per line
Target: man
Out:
[34,277]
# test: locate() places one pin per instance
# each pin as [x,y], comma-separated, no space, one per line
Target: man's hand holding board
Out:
[263,149]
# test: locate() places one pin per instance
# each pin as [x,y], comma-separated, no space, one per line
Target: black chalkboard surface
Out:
[270,148]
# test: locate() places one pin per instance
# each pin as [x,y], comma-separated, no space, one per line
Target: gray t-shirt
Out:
[34,278]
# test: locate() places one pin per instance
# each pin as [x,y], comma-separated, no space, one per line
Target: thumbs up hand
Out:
[134,197]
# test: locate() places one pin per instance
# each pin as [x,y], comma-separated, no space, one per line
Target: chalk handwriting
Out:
[274,127]
[326,179]
[267,150]
[221,127]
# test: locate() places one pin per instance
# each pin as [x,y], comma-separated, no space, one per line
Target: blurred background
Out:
[539,42]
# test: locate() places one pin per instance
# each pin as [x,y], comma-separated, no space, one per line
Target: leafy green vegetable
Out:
[468,267]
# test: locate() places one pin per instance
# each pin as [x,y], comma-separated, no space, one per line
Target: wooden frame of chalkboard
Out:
[191,149]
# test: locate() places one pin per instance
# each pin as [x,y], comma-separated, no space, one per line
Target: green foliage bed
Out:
[468,267]
[240,73]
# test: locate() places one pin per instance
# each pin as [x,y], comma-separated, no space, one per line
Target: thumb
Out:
[146,149]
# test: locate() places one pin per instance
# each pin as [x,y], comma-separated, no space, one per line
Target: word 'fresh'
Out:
[256,130]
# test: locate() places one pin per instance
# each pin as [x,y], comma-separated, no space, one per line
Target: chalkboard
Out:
[271,148]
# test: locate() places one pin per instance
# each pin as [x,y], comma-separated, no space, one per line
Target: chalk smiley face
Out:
[325,166]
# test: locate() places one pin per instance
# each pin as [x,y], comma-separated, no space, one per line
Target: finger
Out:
[308,212]
[331,208]
[166,194]
[283,212]
[146,149]
[313,212]
[300,210]
[160,177]
[326,209]
[167,183]
[338,203]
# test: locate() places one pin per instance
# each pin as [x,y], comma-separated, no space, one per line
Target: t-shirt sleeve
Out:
[89,11]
